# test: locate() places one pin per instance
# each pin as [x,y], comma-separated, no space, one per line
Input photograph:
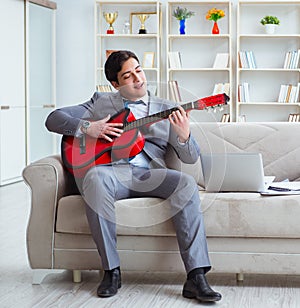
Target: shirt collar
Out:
[145,98]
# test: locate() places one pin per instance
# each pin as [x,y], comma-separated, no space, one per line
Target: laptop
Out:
[235,172]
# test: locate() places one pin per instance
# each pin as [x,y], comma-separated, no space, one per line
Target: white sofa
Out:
[247,233]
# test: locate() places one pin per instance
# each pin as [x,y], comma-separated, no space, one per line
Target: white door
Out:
[41,79]
[12,91]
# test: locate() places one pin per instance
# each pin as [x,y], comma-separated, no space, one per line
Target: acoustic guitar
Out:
[82,153]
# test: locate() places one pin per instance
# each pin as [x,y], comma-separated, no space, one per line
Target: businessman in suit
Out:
[145,174]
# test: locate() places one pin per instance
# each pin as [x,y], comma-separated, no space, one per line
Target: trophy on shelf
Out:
[142,18]
[110,19]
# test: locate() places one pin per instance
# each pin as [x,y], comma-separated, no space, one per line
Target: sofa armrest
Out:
[48,181]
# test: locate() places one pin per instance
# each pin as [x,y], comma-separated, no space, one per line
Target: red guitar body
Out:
[80,154]
[100,151]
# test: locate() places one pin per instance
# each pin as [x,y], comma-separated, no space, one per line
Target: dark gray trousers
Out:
[103,185]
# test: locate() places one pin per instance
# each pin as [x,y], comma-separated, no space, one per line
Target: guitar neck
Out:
[200,104]
[155,117]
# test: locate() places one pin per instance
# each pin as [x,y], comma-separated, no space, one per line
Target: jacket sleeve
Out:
[66,120]
[188,152]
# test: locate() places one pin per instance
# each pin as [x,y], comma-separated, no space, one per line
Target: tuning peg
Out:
[221,108]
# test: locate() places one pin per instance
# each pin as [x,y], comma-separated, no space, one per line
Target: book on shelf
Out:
[103,88]
[294,117]
[225,118]
[247,59]
[288,93]
[221,60]
[220,88]
[291,60]
[174,91]
[174,59]
[243,92]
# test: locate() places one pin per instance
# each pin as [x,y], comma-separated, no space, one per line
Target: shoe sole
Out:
[190,295]
[110,295]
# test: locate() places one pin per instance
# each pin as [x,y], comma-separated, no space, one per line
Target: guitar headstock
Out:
[213,101]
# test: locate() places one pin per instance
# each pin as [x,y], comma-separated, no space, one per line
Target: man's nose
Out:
[136,77]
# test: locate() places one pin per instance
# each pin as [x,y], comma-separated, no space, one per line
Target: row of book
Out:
[247,59]
[288,93]
[294,117]
[103,88]
[291,60]
[220,88]
[175,96]
[243,92]
[221,60]
[225,118]
[174,91]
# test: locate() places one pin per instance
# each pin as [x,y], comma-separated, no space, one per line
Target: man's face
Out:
[131,80]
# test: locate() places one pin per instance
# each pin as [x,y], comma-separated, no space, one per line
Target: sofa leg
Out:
[240,277]
[76,276]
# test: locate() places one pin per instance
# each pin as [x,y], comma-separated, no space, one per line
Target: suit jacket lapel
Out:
[117,101]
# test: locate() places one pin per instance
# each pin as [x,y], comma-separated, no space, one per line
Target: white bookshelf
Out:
[269,51]
[133,41]
[198,48]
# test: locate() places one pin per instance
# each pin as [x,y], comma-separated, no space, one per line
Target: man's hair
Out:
[114,63]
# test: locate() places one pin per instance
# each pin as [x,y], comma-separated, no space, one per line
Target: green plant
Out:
[273,20]
[182,13]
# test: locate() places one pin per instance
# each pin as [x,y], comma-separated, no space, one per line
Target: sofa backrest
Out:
[278,142]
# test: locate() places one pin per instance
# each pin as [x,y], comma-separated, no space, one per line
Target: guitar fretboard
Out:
[155,117]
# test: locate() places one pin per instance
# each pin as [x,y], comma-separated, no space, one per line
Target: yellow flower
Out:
[214,14]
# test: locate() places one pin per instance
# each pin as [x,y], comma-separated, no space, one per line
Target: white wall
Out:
[75,51]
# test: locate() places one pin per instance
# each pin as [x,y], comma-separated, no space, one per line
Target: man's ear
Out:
[115,85]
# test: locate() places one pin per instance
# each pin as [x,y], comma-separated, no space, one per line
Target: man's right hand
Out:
[105,130]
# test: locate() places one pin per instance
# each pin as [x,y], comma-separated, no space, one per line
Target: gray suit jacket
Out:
[67,120]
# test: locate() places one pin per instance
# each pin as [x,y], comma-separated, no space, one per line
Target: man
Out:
[145,174]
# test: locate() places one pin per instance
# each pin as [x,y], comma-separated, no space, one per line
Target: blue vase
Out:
[182,26]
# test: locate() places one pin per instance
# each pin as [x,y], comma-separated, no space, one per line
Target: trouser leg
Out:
[100,189]
[182,192]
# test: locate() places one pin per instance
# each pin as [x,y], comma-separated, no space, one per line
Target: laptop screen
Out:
[233,172]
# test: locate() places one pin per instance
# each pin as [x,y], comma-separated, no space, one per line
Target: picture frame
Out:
[134,22]
[148,60]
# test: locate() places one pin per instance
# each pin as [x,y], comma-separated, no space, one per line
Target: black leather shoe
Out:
[199,288]
[110,284]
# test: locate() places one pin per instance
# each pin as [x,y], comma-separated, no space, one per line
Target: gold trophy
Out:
[110,19]
[142,18]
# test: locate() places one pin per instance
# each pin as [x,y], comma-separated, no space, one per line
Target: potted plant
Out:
[270,23]
[182,14]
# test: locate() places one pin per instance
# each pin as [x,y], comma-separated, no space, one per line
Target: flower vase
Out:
[215,29]
[182,26]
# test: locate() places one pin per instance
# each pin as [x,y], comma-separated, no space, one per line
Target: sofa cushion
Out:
[225,215]
[139,216]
